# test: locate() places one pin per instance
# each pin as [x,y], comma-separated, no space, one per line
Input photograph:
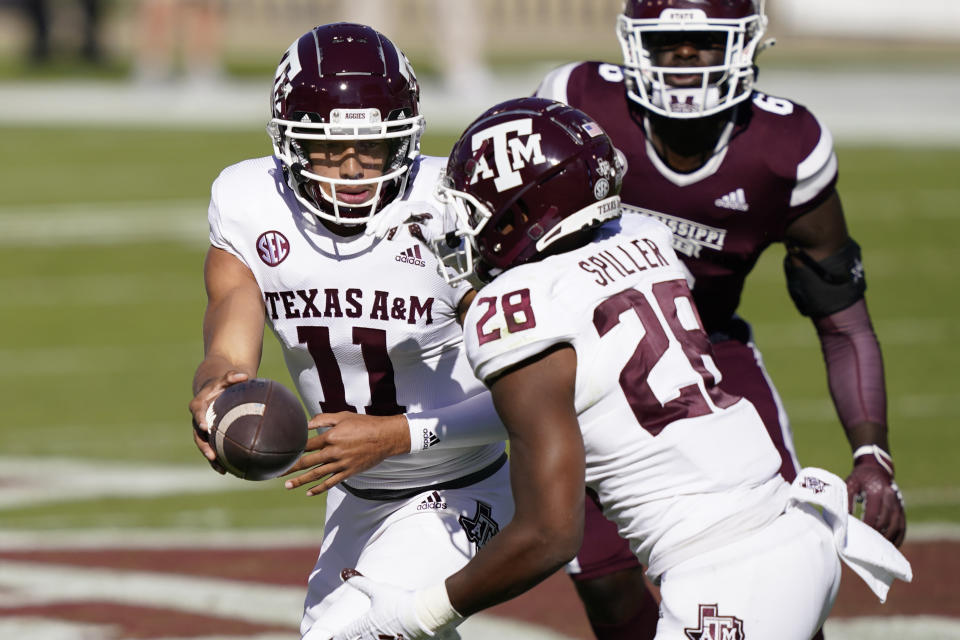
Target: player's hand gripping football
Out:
[346,444]
[392,613]
[198,408]
[871,484]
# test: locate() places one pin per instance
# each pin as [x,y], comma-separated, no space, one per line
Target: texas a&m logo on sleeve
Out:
[514,146]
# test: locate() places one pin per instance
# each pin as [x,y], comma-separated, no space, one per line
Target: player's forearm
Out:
[469,423]
[214,367]
[867,433]
[547,479]
[517,558]
[855,374]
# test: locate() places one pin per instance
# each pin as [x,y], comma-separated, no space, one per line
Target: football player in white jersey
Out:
[600,368]
[369,329]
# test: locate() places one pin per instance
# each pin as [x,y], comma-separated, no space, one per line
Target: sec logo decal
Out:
[273,247]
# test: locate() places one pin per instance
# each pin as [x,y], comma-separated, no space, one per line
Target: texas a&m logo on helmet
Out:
[526,173]
[514,147]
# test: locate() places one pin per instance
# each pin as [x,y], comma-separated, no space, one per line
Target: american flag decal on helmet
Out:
[593,129]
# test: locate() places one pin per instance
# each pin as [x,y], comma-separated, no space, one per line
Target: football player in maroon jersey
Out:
[732,170]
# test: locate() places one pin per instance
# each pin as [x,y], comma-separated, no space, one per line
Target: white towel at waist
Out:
[864,550]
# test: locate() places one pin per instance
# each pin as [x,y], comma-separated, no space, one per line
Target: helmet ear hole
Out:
[505,224]
[515,217]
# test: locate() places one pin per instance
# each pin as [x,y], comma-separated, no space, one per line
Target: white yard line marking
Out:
[104,223]
[893,628]
[29,583]
[28,482]
[38,583]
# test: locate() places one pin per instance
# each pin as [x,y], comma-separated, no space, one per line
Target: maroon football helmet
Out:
[345,82]
[525,174]
[738,24]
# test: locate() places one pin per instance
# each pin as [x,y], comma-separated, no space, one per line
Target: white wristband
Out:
[422,432]
[882,457]
[433,608]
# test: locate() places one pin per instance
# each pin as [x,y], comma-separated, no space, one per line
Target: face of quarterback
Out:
[687,49]
[349,160]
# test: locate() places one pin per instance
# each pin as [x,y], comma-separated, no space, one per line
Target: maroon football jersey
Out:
[777,163]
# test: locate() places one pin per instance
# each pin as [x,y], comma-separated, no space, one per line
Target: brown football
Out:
[258,429]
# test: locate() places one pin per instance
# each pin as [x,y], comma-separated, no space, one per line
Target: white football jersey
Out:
[678,464]
[366,325]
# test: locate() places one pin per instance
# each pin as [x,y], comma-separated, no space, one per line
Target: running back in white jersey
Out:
[366,325]
[678,464]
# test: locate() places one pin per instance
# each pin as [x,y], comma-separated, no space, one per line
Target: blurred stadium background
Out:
[107,155]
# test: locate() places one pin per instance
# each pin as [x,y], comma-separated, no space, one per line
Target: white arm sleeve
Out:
[469,423]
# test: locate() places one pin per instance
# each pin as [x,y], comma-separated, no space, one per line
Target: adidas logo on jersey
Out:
[433,501]
[430,439]
[736,200]
[411,256]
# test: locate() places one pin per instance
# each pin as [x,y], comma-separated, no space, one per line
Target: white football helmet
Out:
[740,22]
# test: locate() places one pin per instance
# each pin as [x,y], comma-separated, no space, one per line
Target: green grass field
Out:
[103,236]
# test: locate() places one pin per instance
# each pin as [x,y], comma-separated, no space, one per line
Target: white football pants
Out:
[778,582]
[410,543]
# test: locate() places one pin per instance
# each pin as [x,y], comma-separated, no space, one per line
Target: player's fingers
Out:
[313,458]
[358,581]
[877,516]
[302,479]
[316,473]
[895,528]
[321,420]
[889,519]
[330,482]
[308,461]
[346,574]
[233,377]
[853,491]
[319,442]
[901,531]
[204,447]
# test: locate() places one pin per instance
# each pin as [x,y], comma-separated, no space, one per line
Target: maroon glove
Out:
[871,484]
